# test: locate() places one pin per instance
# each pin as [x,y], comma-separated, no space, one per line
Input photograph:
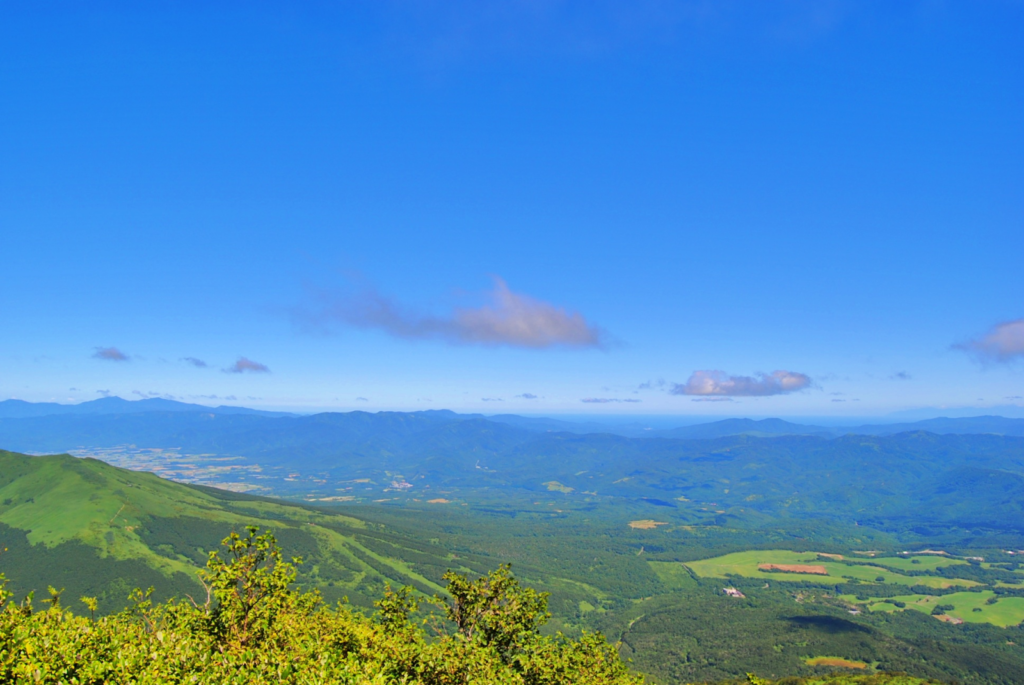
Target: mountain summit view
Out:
[512,343]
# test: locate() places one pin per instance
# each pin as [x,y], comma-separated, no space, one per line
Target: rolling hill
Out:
[98,530]
[901,482]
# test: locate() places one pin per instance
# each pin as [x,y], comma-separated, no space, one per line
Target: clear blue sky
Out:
[742,208]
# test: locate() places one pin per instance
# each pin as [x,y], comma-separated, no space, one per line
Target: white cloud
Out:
[110,354]
[1003,343]
[244,365]
[719,383]
[511,319]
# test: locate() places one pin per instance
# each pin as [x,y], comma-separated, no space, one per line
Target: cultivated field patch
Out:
[835,662]
[755,564]
[647,524]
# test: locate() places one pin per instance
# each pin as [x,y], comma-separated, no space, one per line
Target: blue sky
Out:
[730,208]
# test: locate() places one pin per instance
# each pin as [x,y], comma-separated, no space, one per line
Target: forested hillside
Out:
[901,482]
[652,583]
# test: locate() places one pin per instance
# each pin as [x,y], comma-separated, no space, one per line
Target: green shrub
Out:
[252,627]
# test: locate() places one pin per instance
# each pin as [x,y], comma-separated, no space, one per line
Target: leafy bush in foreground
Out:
[253,628]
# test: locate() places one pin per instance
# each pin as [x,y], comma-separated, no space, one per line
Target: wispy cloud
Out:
[362,399]
[712,399]
[527,396]
[510,318]
[1004,342]
[491,399]
[110,354]
[244,365]
[722,384]
[650,385]
[900,376]
[150,394]
[105,393]
[606,400]
[198,363]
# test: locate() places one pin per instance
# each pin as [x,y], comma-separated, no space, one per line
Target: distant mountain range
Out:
[881,474]
[108,406]
[993,425]
[19,409]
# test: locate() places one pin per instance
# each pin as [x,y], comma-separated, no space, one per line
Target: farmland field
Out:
[746,564]
[921,562]
[970,607]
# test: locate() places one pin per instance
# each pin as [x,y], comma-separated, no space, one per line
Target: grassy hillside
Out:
[82,524]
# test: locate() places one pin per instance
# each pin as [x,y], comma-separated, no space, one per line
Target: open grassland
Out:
[746,564]
[646,524]
[59,499]
[970,607]
[922,562]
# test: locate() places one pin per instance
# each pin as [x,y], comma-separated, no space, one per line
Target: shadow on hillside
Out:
[828,624]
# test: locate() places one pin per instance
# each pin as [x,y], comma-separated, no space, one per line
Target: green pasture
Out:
[1013,584]
[746,564]
[58,499]
[1007,611]
[913,563]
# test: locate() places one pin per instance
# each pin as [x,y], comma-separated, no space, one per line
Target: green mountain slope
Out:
[59,514]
